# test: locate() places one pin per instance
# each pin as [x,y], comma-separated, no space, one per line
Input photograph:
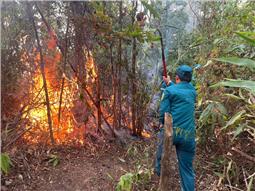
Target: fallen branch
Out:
[243,154]
[16,138]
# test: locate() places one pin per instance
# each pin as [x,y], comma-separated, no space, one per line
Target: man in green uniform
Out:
[179,100]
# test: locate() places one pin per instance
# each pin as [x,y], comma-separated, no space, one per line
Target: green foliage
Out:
[241,118]
[238,61]
[140,177]
[238,131]
[214,114]
[246,84]
[234,119]
[138,33]
[248,36]
[151,9]
[5,163]
[54,160]
[125,183]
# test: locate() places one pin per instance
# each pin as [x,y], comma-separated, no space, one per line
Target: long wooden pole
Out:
[167,156]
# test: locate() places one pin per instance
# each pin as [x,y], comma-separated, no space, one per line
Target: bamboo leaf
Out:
[239,130]
[248,36]
[55,162]
[5,163]
[236,117]
[249,188]
[211,111]
[246,84]
[229,166]
[238,61]
[233,96]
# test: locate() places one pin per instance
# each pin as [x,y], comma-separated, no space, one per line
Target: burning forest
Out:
[66,92]
[95,93]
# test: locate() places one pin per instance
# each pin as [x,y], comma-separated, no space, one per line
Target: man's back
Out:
[179,100]
[182,105]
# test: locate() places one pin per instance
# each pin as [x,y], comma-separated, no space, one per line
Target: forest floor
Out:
[93,167]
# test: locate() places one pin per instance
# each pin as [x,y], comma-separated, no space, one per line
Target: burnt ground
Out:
[92,167]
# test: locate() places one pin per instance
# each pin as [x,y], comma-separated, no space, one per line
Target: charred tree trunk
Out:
[126,65]
[167,156]
[119,69]
[133,69]
[113,90]
[42,66]
[99,115]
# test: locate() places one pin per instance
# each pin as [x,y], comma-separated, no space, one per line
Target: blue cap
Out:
[184,72]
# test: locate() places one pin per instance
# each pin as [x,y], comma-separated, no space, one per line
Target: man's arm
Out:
[166,82]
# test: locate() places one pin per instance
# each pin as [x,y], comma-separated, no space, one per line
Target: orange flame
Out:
[72,124]
[65,130]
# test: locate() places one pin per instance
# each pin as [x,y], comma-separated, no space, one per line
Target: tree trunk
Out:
[133,69]
[64,69]
[166,175]
[119,69]
[78,9]
[99,115]
[29,8]
[113,90]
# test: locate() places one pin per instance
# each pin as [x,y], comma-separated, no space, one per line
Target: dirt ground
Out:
[95,167]
[79,168]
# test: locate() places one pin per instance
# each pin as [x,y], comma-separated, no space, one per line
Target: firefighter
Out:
[179,100]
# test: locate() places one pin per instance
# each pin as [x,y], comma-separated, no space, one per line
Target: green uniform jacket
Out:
[179,100]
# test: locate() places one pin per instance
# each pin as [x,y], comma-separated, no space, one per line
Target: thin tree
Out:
[64,69]
[119,68]
[133,69]
[42,66]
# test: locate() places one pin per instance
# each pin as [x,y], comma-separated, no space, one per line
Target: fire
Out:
[76,115]
[90,68]
[145,134]
[66,129]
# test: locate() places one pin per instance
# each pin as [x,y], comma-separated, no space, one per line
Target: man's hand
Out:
[167,80]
